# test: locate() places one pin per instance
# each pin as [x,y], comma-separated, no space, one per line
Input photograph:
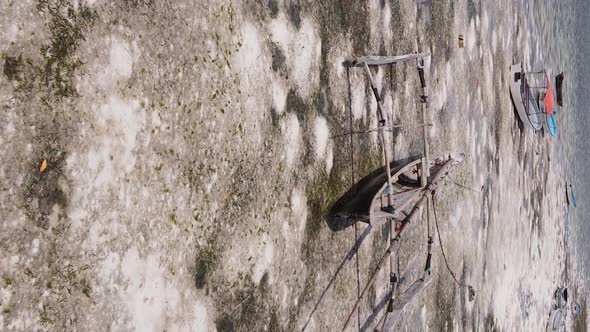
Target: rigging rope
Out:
[471,289]
[460,185]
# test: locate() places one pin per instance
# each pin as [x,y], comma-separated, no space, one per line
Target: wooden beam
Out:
[377,60]
[412,217]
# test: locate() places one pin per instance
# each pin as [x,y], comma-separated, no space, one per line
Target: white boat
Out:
[556,320]
[524,100]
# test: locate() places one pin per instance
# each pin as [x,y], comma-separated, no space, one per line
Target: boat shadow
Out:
[337,226]
[355,204]
[376,311]
[519,122]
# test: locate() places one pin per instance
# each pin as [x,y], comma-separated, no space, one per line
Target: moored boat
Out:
[397,195]
[524,100]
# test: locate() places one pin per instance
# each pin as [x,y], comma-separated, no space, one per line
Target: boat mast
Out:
[426,159]
[423,101]
[427,199]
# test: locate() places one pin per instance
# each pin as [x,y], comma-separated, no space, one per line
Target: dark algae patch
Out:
[12,66]
[67,26]
[295,13]
[44,190]
[225,324]
[490,323]
[248,308]
[273,7]
[53,73]
[205,263]
[472,9]
[6,281]
[442,17]
[321,196]
[445,304]
[278,58]
[296,105]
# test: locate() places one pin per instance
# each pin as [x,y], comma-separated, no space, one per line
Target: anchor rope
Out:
[460,185]
[443,249]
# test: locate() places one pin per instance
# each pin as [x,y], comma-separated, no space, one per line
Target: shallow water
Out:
[580,151]
[561,33]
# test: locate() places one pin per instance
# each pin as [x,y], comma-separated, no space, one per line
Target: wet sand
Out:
[193,155]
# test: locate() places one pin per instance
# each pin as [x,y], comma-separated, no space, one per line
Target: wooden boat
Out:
[367,201]
[396,193]
[409,200]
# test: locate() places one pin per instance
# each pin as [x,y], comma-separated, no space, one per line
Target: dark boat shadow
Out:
[355,204]
[519,122]
[376,310]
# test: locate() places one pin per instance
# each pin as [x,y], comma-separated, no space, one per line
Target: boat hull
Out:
[555,320]
[527,109]
[366,200]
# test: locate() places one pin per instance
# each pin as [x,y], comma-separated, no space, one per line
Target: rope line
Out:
[460,185]
[391,128]
[441,245]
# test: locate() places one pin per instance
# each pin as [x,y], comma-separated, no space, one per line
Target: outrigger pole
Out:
[395,242]
[382,138]
[365,62]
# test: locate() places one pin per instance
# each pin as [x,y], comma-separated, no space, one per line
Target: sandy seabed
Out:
[193,151]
